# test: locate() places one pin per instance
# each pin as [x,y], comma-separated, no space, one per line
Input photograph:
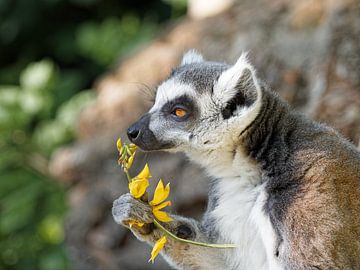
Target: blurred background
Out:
[75,73]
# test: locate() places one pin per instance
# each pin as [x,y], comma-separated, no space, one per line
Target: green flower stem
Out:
[173,236]
[127,175]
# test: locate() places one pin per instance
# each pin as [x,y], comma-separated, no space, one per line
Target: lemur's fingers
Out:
[126,208]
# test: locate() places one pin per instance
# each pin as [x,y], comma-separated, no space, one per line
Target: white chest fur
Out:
[240,219]
[239,213]
[235,215]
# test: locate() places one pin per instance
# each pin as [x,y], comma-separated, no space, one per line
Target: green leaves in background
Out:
[50,51]
[103,42]
[38,76]
[53,133]
[32,205]
[19,104]
[31,230]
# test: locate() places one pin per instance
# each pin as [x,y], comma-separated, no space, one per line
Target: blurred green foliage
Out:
[32,205]
[50,51]
[97,41]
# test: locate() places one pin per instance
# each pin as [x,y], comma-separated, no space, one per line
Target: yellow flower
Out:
[145,173]
[127,153]
[160,215]
[160,195]
[132,147]
[129,161]
[159,245]
[140,183]
[138,187]
[137,223]
[119,144]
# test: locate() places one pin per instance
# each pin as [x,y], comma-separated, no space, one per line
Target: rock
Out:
[308,13]
[307,51]
[199,9]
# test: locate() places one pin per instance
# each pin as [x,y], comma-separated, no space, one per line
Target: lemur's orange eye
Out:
[180,112]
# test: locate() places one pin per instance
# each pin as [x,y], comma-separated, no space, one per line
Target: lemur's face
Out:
[200,107]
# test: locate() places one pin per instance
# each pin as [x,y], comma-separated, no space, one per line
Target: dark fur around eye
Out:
[183,102]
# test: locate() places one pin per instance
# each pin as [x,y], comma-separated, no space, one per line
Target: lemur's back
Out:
[323,219]
[313,187]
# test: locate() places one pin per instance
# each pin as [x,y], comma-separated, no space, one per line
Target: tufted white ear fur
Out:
[240,75]
[192,56]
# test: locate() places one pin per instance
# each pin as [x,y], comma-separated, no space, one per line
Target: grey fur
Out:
[302,175]
[200,75]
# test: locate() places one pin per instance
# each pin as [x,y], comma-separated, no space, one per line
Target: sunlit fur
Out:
[283,188]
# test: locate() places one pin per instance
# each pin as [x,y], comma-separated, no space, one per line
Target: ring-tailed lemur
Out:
[285,189]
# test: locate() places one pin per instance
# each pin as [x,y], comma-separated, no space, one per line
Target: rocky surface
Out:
[308,51]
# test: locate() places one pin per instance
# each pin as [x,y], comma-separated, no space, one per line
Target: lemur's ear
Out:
[191,56]
[237,87]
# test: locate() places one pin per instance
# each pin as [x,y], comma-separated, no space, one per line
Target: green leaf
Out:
[9,95]
[18,207]
[68,112]
[38,76]
[54,260]
[106,41]
[51,229]
[11,114]
[8,157]
[35,103]
[51,134]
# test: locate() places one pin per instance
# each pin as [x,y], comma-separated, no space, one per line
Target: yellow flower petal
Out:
[162,205]
[130,161]
[161,193]
[161,216]
[137,223]
[138,187]
[159,245]
[132,147]
[145,173]
[119,144]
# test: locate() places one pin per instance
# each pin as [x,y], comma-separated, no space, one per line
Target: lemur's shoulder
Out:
[312,177]
[328,208]
[326,202]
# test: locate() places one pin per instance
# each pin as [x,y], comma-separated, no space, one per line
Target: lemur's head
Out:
[202,106]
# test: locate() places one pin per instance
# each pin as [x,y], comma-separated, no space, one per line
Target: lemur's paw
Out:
[126,208]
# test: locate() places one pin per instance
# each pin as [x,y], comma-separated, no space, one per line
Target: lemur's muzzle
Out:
[141,135]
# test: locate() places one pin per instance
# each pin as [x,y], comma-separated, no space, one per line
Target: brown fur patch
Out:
[323,222]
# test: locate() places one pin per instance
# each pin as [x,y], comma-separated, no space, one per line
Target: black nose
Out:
[133,132]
